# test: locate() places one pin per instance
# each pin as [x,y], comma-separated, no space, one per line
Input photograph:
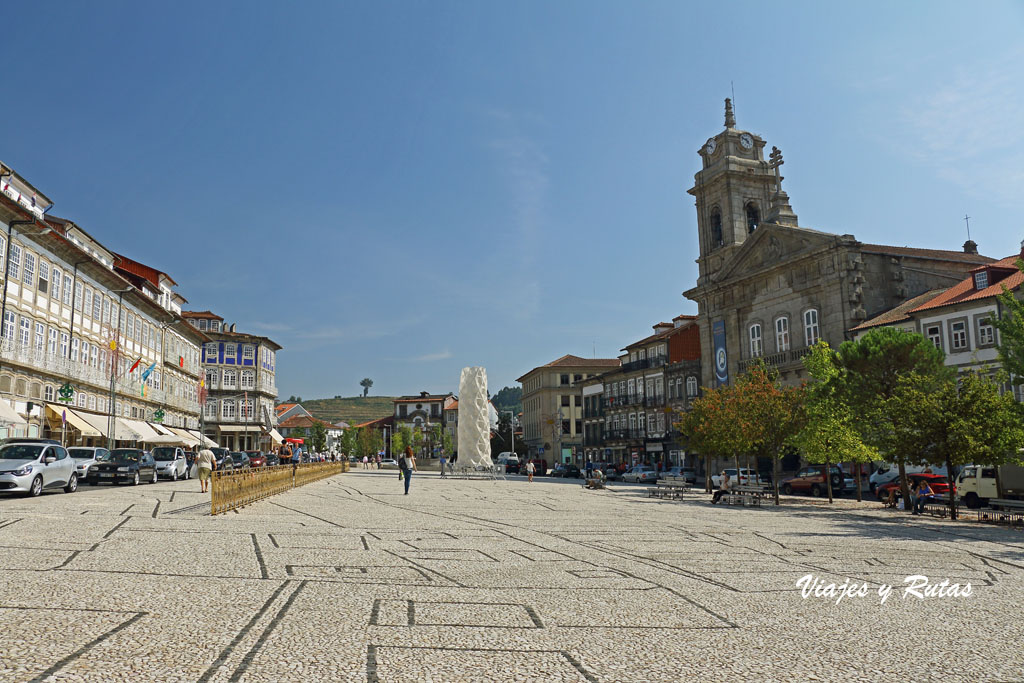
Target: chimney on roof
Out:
[970,247]
[662,327]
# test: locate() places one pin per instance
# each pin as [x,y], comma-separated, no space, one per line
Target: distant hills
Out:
[352,410]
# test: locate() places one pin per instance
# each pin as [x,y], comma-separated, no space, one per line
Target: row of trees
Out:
[886,396]
[369,442]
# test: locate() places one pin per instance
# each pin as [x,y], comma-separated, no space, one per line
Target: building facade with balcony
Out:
[629,412]
[240,384]
[552,419]
[422,413]
[769,288]
[77,318]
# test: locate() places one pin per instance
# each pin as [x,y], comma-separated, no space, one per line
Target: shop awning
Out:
[203,439]
[124,431]
[254,428]
[55,413]
[9,417]
[161,429]
[189,438]
[275,437]
[98,422]
[144,431]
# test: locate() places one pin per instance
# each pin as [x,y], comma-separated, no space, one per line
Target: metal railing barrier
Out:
[238,488]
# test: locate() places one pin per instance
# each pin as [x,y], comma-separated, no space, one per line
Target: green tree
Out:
[772,414]
[318,436]
[350,441]
[1010,324]
[874,367]
[399,440]
[417,441]
[963,422]
[828,434]
[716,427]
[369,441]
[366,383]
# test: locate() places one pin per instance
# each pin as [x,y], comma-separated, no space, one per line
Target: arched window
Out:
[753,217]
[756,341]
[811,331]
[782,334]
[691,386]
[716,227]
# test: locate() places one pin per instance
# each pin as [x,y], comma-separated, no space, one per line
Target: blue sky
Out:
[399,190]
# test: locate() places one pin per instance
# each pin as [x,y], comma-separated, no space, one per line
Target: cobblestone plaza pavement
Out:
[349,580]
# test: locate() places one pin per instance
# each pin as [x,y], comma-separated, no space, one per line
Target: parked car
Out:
[938,482]
[240,460]
[222,457]
[811,479]
[888,472]
[746,477]
[566,470]
[640,474]
[34,467]
[389,464]
[612,473]
[124,465]
[687,473]
[170,462]
[257,459]
[85,457]
[27,439]
[512,467]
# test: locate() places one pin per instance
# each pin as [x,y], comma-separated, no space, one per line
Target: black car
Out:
[273,459]
[566,471]
[124,465]
[512,467]
[222,457]
[240,459]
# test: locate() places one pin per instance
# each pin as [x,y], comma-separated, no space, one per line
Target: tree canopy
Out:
[1010,324]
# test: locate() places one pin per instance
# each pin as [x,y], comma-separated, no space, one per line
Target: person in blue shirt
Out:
[924,495]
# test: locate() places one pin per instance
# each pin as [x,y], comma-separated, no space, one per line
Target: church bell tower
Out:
[735,191]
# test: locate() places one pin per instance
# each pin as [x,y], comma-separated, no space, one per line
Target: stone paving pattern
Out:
[349,580]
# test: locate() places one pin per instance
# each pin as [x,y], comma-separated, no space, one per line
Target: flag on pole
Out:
[134,365]
[148,371]
[181,361]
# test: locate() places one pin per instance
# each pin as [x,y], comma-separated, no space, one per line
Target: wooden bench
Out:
[937,506]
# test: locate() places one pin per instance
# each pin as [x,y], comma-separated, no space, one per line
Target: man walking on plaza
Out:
[206,464]
[444,461]
[408,465]
[530,467]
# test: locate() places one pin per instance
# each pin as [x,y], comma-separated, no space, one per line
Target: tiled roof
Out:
[454,405]
[1011,278]
[941,254]
[142,270]
[301,421]
[571,361]
[285,407]
[899,313]
[201,314]
[422,399]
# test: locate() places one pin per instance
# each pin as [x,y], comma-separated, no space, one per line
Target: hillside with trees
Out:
[353,410]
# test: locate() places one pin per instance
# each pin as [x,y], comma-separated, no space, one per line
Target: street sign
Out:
[541,450]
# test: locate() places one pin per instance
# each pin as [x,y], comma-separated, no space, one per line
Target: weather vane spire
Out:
[730,118]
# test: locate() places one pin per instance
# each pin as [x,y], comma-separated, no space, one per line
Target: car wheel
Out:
[971,501]
[72,484]
[873,486]
[174,475]
[787,489]
[816,490]
[37,487]
[135,479]
[154,479]
[837,482]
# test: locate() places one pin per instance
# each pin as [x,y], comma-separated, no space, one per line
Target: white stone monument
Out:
[474,420]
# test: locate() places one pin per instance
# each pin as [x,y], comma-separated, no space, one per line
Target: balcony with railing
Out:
[633,365]
[783,359]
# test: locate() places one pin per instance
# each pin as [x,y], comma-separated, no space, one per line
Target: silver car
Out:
[85,457]
[170,462]
[33,467]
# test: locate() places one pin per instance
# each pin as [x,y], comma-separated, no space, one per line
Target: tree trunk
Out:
[859,487]
[828,479]
[904,489]
[952,490]
[775,477]
[707,474]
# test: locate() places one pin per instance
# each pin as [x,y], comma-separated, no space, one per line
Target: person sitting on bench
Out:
[924,495]
[726,485]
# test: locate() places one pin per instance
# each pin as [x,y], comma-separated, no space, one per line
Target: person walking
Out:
[530,469]
[366,461]
[408,465]
[285,454]
[206,464]
[444,461]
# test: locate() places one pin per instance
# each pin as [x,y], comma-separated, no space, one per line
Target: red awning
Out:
[289,440]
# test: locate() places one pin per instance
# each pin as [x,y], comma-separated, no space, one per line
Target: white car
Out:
[746,477]
[888,472]
[171,462]
[389,464]
[640,474]
[85,457]
[33,467]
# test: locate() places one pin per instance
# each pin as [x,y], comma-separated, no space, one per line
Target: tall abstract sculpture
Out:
[474,419]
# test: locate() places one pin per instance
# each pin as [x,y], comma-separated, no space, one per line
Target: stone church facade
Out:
[770,288]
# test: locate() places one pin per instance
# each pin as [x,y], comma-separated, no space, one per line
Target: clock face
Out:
[709,146]
[747,141]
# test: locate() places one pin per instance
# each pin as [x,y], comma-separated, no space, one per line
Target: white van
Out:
[888,472]
[506,458]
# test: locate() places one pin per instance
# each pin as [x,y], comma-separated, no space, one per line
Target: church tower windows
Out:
[753,217]
[716,227]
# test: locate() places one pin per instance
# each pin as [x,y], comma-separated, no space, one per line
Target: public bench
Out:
[1003,512]
[669,488]
[937,506]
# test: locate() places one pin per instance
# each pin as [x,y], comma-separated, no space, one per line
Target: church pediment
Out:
[770,245]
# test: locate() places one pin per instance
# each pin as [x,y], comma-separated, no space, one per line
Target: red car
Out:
[939,484]
[256,459]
